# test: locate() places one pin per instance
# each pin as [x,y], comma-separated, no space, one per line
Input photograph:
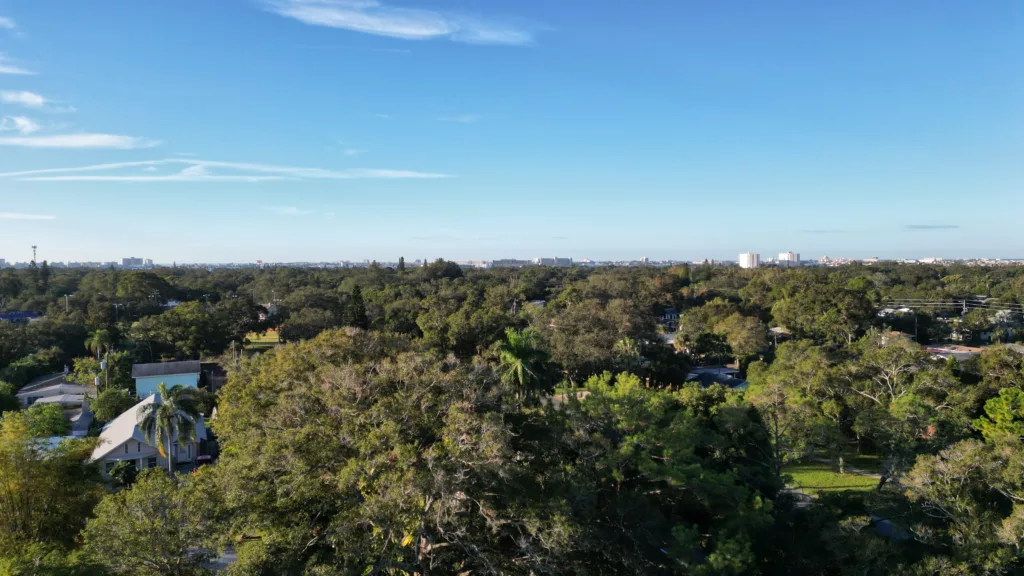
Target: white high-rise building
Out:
[789,259]
[750,260]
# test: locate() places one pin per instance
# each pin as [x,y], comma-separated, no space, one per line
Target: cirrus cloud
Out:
[19,124]
[206,171]
[23,98]
[8,67]
[113,141]
[373,17]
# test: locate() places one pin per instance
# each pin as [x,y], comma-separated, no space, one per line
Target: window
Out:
[125,447]
[138,446]
[151,462]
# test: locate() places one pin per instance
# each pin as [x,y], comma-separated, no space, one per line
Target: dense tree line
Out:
[528,421]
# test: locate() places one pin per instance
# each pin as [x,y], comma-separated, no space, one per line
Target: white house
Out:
[149,376]
[123,439]
[51,387]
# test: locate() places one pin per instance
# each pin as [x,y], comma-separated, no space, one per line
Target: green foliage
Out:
[43,500]
[99,342]
[190,330]
[824,313]
[24,370]
[86,369]
[37,559]
[158,526]
[355,310]
[425,441]
[124,473]
[745,335]
[583,335]
[1004,416]
[384,451]
[441,269]
[8,401]
[111,403]
[45,420]
[307,323]
[967,500]
[523,364]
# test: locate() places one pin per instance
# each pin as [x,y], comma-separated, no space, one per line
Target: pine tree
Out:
[44,276]
[355,312]
[401,263]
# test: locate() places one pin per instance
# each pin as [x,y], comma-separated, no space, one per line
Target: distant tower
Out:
[33,252]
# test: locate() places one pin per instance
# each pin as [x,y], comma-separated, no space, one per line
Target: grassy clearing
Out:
[263,341]
[818,477]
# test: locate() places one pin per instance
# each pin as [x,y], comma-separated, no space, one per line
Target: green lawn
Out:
[263,341]
[817,477]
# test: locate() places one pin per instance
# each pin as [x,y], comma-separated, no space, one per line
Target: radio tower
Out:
[33,252]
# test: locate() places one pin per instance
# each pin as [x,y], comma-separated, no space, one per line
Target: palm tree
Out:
[521,361]
[170,417]
[97,342]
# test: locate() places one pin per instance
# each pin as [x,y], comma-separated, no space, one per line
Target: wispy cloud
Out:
[462,118]
[6,24]
[20,216]
[22,98]
[352,151]
[384,116]
[8,67]
[184,153]
[19,124]
[329,214]
[80,141]
[287,210]
[202,171]
[927,227]
[150,169]
[373,17]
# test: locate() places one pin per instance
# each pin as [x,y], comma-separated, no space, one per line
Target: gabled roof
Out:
[58,389]
[126,427]
[43,382]
[165,369]
[62,399]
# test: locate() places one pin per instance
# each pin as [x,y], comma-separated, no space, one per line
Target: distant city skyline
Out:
[744,260]
[235,131]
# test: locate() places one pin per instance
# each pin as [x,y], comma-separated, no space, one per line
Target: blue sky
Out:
[239,130]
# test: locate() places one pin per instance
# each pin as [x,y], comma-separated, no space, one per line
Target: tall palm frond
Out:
[521,361]
[171,418]
[98,341]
